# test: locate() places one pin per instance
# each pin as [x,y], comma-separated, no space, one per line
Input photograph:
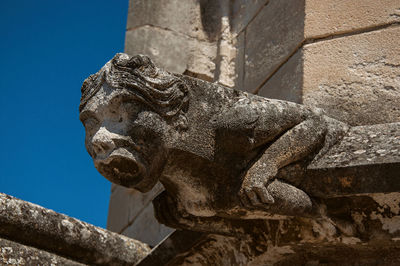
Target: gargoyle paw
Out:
[255,196]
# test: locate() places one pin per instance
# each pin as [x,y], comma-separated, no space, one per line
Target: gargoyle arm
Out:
[293,145]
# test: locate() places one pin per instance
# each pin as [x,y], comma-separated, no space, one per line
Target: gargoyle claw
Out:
[255,197]
[264,195]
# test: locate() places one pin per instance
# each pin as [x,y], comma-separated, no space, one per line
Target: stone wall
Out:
[343,56]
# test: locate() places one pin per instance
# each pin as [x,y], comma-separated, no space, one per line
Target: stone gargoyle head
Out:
[222,155]
[127,109]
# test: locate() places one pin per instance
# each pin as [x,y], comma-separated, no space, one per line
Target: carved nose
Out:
[102,142]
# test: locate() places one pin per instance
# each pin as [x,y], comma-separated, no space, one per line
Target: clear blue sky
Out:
[48,47]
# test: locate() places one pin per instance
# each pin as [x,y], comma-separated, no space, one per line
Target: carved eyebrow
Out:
[127,98]
[126,95]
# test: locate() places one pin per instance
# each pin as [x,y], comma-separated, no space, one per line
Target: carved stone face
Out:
[124,138]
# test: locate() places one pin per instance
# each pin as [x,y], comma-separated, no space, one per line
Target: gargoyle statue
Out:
[222,155]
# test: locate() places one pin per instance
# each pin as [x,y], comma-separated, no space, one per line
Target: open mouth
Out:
[122,166]
[121,170]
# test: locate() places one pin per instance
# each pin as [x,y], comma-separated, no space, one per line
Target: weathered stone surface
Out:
[239,63]
[282,26]
[45,229]
[126,204]
[206,46]
[205,143]
[179,242]
[145,228]
[324,18]
[361,230]
[174,52]
[365,220]
[271,38]
[243,11]
[363,145]
[230,57]
[197,122]
[365,161]
[196,19]
[355,79]
[165,47]
[12,253]
[216,250]
[118,209]
[287,83]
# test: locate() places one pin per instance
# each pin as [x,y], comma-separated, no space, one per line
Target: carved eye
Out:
[130,106]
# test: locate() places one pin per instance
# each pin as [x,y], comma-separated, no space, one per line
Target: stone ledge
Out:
[45,229]
[367,160]
[12,253]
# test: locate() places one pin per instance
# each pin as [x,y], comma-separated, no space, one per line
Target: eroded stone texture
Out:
[244,11]
[321,19]
[332,17]
[144,124]
[365,161]
[355,79]
[196,19]
[174,52]
[271,38]
[12,253]
[45,229]
[283,26]
[287,83]
[266,174]
[198,38]
[360,229]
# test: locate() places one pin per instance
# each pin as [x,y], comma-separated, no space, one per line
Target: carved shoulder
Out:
[262,118]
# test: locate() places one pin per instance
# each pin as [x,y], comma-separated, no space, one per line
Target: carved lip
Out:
[121,168]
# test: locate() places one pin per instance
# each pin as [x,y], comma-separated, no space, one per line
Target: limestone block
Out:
[118,209]
[126,204]
[230,58]
[198,19]
[287,82]
[146,228]
[174,52]
[201,60]
[165,47]
[331,17]
[355,79]
[271,37]
[239,62]
[243,11]
[282,26]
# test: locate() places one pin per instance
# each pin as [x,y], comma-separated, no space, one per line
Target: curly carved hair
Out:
[164,93]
